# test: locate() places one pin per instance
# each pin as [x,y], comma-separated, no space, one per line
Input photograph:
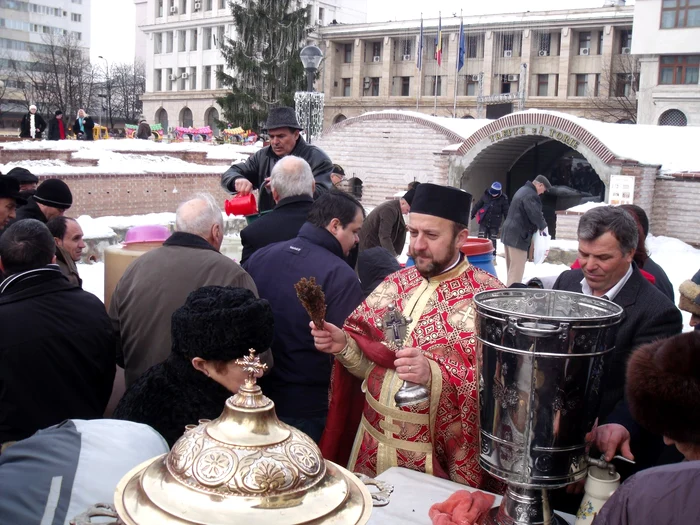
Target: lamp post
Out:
[109,94]
[311,57]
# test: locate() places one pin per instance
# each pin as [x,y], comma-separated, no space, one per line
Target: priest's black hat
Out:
[442,201]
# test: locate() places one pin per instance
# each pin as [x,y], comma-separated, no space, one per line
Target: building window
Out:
[545,44]
[625,41]
[182,40]
[209,5]
[472,47]
[183,7]
[347,53]
[542,85]
[600,42]
[77,1]
[581,85]
[625,85]
[220,36]
[75,17]
[219,71]
[405,86]
[321,15]
[433,87]
[206,44]
[680,13]
[556,85]
[584,43]
[193,40]
[182,81]
[222,4]
[508,44]
[158,80]
[403,49]
[158,43]
[169,42]
[77,34]
[679,69]
[374,87]
[207,77]
[376,52]
[169,81]
[193,78]
[673,117]
[596,87]
[346,87]
[472,88]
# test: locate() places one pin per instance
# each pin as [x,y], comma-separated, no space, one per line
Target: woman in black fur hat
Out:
[663,392]
[216,326]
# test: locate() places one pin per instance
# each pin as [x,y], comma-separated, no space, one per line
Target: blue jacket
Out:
[300,378]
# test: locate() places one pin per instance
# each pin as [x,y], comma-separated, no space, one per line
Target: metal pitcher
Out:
[542,355]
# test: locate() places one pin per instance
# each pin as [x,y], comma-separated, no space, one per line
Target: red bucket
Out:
[477,246]
[241,205]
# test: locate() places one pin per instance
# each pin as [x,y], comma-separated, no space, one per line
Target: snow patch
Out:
[583,208]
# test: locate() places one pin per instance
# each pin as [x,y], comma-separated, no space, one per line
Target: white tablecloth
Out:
[414,494]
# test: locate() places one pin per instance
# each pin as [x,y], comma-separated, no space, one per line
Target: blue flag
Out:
[462,46]
[419,54]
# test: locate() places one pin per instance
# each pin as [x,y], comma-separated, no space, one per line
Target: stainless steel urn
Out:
[542,355]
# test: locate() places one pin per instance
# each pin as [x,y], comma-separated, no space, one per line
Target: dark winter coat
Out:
[281,224]
[56,353]
[154,286]
[171,395]
[30,210]
[373,266]
[25,127]
[524,218]
[88,125]
[660,496]
[496,210]
[384,227]
[259,166]
[648,315]
[663,283]
[299,382]
[55,130]
[143,131]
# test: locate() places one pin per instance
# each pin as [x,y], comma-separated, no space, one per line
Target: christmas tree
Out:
[263,56]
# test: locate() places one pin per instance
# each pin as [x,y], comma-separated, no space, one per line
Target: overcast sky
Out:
[113,20]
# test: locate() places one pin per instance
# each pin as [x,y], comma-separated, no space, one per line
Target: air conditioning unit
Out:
[173,9]
[172,77]
[584,51]
[197,6]
[626,50]
[513,78]
[508,53]
[184,76]
[376,58]
[543,53]
[475,78]
[406,58]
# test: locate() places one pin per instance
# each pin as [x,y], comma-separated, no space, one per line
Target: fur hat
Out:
[690,293]
[663,387]
[221,323]
[54,193]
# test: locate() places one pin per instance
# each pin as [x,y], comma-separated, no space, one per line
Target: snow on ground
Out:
[132,145]
[93,276]
[94,228]
[583,208]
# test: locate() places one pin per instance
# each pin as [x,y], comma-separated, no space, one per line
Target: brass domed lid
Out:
[244,465]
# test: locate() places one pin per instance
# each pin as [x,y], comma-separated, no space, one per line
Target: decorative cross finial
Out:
[251,365]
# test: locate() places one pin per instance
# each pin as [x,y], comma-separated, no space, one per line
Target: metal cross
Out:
[251,364]
[394,325]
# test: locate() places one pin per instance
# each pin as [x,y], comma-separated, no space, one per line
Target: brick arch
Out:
[560,122]
[449,134]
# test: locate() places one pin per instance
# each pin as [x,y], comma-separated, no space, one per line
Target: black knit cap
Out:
[221,323]
[54,193]
[23,176]
[442,201]
[282,117]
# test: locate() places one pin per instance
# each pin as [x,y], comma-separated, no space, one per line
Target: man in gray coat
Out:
[385,225]
[158,283]
[524,218]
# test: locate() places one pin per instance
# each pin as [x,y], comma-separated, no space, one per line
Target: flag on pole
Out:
[462,46]
[438,43]
[419,57]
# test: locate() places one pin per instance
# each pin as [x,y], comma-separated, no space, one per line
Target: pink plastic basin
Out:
[151,233]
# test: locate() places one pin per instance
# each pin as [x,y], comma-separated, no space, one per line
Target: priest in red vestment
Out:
[440,435]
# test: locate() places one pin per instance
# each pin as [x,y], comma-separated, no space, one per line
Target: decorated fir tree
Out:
[263,57]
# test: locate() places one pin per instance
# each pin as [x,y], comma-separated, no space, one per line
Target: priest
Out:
[439,435]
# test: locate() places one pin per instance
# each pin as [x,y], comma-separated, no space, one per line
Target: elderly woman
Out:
[83,126]
[663,392]
[216,326]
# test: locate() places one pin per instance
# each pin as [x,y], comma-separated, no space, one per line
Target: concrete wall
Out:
[649,39]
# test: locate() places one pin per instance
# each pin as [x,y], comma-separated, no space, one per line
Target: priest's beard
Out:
[431,265]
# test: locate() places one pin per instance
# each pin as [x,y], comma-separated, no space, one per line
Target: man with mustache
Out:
[439,354]
[283,129]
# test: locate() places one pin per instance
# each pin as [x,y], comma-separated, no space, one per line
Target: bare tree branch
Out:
[616,100]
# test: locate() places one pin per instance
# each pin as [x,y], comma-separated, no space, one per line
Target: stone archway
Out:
[186,120]
[162,118]
[210,118]
[339,118]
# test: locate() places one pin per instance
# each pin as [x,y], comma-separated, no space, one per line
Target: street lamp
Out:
[109,98]
[311,57]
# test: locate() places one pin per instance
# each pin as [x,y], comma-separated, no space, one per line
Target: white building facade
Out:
[667,43]
[24,26]
[179,42]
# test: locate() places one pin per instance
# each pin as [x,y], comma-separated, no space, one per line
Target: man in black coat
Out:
[52,198]
[57,347]
[300,379]
[607,242]
[32,125]
[490,210]
[292,184]
[254,173]
[523,220]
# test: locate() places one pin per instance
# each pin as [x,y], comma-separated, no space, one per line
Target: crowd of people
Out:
[33,125]
[182,314]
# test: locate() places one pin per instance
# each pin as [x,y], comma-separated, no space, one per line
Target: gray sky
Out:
[113,20]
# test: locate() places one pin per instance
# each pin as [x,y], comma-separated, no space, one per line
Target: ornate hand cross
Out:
[395,327]
[251,365]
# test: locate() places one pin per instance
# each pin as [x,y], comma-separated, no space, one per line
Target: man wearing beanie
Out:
[385,225]
[489,211]
[216,326]
[690,299]
[57,129]
[663,392]
[52,199]
[440,435]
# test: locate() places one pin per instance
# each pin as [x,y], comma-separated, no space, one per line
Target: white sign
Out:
[621,190]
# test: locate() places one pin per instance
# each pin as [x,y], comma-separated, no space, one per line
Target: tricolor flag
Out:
[438,42]
[419,54]
[462,47]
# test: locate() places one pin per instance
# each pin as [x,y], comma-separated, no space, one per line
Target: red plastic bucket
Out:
[241,205]
[477,246]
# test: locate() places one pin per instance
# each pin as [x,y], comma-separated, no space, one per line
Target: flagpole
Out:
[438,60]
[459,50]
[420,63]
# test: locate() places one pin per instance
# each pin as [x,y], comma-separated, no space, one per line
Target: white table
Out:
[414,494]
